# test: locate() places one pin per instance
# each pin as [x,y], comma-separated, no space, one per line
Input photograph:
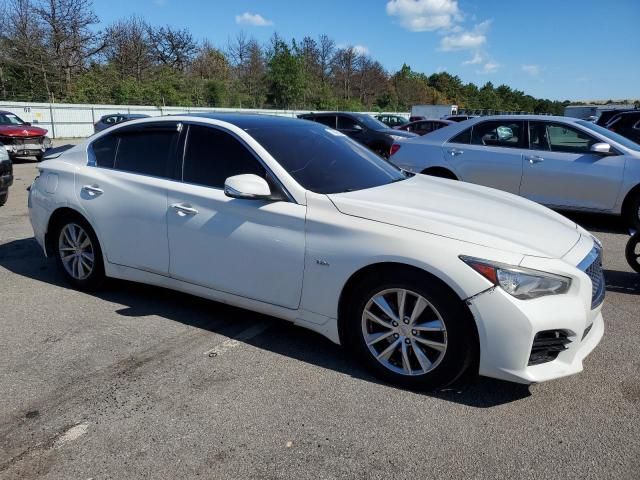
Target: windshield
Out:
[624,141]
[10,119]
[324,160]
[371,122]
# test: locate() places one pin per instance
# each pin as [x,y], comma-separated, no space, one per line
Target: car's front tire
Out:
[410,330]
[78,252]
[3,197]
[633,211]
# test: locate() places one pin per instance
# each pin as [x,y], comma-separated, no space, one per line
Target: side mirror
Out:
[248,186]
[601,148]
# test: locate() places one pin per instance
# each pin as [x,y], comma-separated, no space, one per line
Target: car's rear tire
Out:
[3,197]
[410,330]
[632,212]
[632,252]
[78,252]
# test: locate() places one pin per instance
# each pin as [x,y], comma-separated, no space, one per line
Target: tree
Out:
[174,48]
[128,48]
[285,77]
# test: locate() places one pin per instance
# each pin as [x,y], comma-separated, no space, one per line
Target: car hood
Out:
[397,133]
[21,131]
[465,212]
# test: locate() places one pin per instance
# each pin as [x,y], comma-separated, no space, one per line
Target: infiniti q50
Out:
[421,278]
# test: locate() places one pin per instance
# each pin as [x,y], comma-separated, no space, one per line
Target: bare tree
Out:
[343,69]
[327,48]
[70,42]
[172,47]
[128,47]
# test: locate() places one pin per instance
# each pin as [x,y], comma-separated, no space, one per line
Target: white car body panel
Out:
[293,259]
[587,182]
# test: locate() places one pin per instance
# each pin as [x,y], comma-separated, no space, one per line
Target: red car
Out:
[21,139]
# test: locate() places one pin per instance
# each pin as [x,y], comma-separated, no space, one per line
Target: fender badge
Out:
[324,263]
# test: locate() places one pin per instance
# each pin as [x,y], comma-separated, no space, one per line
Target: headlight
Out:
[519,282]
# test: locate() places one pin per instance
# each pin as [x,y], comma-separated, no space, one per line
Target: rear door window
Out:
[328,120]
[346,123]
[147,150]
[509,134]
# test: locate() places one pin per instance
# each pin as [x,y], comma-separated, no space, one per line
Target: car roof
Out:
[248,121]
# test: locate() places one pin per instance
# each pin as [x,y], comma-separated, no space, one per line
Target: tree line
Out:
[55,51]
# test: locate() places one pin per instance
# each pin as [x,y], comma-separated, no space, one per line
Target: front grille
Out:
[547,345]
[19,141]
[592,266]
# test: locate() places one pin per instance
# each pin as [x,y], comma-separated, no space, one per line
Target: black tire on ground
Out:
[4,195]
[461,350]
[440,173]
[97,276]
[632,252]
[633,212]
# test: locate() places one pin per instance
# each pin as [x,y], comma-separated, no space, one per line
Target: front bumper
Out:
[26,146]
[6,181]
[507,326]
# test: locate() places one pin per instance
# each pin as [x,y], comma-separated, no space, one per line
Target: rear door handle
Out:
[184,209]
[535,159]
[92,190]
[455,152]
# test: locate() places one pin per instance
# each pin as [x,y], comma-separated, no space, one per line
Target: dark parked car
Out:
[422,127]
[606,115]
[459,118]
[393,121]
[21,139]
[114,119]
[626,124]
[362,128]
[6,174]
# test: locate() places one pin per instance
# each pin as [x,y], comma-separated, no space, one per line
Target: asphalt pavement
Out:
[141,382]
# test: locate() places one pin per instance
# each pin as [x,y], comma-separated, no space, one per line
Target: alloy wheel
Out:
[76,251]
[404,331]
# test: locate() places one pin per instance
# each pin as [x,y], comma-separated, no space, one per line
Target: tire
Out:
[3,197]
[440,173]
[39,157]
[451,327]
[76,270]
[632,252]
[633,212]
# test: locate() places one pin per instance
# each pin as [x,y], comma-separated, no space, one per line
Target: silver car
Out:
[561,162]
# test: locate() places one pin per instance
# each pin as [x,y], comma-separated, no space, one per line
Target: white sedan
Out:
[421,278]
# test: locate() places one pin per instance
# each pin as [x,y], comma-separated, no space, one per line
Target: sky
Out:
[556,49]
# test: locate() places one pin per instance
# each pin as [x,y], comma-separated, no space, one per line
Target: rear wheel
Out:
[632,252]
[78,253]
[410,331]
[3,197]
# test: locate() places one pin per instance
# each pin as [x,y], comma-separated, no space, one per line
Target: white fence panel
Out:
[76,120]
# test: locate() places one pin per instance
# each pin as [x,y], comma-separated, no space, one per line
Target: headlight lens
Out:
[522,283]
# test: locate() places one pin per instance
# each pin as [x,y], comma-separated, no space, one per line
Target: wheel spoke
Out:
[80,267]
[67,257]
[377,319]
[85,264]
[430,326]
[377,337]
[424,362]
[418,308]
[402,297]
[430,343]
[406,364]
[387,352]
[67,237]
[381,302]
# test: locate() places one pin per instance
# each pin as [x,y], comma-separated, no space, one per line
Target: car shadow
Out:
[598,222]
[622,282]
[24,257]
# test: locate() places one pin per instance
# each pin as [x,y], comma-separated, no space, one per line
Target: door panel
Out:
[561,171]
[250,248]
[129,214]
[492,158]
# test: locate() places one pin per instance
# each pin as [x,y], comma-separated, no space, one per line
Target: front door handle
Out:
[535,159]
[92,190]
[184,209]
[454,152]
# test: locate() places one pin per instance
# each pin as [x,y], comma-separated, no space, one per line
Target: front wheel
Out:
[410,331]
[78,253]
[3,197]
[633,212]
